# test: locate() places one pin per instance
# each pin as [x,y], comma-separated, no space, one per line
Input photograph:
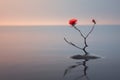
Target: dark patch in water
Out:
[84,57]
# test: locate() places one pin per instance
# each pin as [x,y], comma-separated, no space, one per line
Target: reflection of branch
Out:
[83,63]
[71,43]
[70,68]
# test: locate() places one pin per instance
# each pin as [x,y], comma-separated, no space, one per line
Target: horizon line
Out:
[59,25]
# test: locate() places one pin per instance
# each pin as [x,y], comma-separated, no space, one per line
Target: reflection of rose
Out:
[72,21]
[93,21]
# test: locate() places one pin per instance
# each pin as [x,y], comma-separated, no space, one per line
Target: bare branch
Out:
[83,36]
[90,31]
[79,31]
[71,43]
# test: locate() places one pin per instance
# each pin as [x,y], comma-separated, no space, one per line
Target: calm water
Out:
[40,53]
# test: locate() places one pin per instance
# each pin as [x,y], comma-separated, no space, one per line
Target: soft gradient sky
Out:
[58,12]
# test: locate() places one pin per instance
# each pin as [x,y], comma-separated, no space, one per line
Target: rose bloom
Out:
[72,22]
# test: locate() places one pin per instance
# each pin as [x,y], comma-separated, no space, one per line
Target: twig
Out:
[90,31]
[79,31]
[71,43]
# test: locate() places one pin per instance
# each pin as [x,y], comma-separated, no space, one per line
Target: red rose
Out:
[93,21]
[72,21]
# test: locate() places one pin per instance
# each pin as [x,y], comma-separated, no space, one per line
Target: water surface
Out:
[40,53]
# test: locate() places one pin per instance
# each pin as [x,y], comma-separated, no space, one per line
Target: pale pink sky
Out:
[58,12]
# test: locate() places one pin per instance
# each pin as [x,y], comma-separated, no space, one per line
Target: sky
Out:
[58,12]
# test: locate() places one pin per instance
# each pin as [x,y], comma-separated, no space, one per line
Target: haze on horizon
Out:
[58,12]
